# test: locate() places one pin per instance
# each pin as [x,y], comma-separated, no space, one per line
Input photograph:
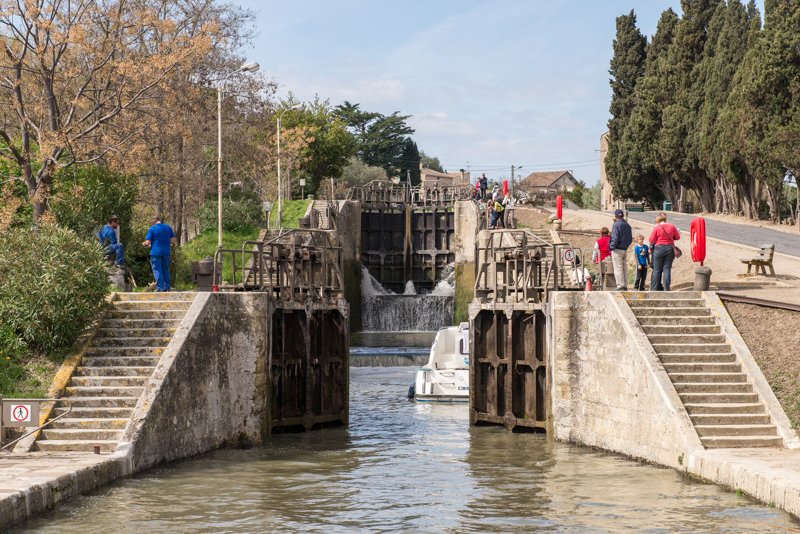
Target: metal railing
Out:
[384,192]
[516,266]
[297,264]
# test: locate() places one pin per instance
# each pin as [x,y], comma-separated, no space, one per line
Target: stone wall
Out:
[466,224]
[348,225]
[608,387]
[210,387]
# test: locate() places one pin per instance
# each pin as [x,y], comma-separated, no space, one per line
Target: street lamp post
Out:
[280,186]
[252,66]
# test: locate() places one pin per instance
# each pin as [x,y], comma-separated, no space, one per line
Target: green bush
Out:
[87,196]
[206,245]
[241,212]
[52,285]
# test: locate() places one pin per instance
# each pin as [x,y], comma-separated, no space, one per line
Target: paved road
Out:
[742,234]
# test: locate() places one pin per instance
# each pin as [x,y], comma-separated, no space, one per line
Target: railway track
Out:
[730,297]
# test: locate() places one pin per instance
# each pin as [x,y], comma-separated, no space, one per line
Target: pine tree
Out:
[627,67]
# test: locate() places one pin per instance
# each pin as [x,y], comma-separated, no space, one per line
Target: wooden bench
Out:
[762,260]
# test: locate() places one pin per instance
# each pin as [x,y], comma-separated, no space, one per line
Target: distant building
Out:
[431,177]
[549,182]
[607,200]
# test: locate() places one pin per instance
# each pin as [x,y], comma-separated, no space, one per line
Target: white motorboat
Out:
[445,378]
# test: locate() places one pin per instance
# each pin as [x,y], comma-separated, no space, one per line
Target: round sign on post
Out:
[697,239]
[568,255]
[559,207]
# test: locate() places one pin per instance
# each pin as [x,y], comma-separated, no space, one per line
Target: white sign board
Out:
[568,255]
[20,413]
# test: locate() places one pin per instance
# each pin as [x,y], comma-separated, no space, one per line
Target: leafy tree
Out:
[409,162]
[358,173]
[627,67]
[430,162]
[577,194]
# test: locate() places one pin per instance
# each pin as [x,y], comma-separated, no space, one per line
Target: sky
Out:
[488,83]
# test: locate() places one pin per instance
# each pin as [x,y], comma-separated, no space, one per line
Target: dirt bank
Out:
[774,348]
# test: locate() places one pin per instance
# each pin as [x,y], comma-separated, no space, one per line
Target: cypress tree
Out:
[627,67]
[675,152]
[642,179]
[409,162]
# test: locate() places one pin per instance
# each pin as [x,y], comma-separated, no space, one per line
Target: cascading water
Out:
[385,311]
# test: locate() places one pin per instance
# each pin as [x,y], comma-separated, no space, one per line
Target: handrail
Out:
[38,428]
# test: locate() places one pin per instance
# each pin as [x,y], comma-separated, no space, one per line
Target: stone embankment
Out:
[165,377]
[668,379]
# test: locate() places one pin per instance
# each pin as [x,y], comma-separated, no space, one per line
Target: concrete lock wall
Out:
[210,387]
[608,387]
[466,224]
[348,228]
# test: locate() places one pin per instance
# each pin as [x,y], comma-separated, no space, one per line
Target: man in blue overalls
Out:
[158,238]
[108,239]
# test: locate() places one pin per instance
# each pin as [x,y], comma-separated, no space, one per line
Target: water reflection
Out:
[407,467]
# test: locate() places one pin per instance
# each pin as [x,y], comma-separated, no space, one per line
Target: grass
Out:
[292,211]
[205,245]
[27,376]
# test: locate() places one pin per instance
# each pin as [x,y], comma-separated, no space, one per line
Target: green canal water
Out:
[413,468]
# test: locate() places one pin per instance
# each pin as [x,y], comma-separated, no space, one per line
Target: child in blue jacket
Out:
[642,253]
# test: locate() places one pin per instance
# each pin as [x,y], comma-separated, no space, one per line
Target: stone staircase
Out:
[716,392]
[321,210]
[105,388]
[542,233]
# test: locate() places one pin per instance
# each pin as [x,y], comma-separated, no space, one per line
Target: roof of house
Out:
[430,172]
[545,179]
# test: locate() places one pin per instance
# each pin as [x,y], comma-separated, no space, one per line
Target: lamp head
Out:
[297,106]
[250,66]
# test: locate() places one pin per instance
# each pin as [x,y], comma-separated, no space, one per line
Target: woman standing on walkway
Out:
[662,239]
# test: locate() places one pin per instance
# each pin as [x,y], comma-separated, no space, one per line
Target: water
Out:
[384,311]
[407,467]
[390,349]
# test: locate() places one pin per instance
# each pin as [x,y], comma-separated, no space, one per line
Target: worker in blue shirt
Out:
[108,239]
[158,238]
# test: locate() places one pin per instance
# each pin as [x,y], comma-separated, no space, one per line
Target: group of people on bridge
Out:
[495,203]
[658,252]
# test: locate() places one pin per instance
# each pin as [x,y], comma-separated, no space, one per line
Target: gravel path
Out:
[742,234]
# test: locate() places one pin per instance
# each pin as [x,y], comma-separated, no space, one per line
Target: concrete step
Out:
[738,442]
[139,323]
[713,387]
[727,408]
[666,303]
[697,359]
[113,370]
[75,445]
[98,402]
[684,320]
[89,422]
[108,381]
[106,333]
[730,419]
[172,295]
[80,434]
[121,361]
[145,314]
[736,430]
[702,367]
[131,342]
[658,311]
[145,305]
[698,348]
[681,329]
[718,398]
[80,412]
[661,295]
[97,391]
[689,378]
[686,338]
[123,351]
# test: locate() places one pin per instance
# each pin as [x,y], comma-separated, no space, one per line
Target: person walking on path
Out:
[601,250]
[662,239]
[621,239]
[642,253]
[158,238]
[108,239]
